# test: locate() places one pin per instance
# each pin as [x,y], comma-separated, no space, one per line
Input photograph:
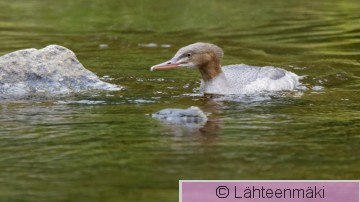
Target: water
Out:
[106,146]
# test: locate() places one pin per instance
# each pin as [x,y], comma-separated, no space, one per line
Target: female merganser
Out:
[231,79]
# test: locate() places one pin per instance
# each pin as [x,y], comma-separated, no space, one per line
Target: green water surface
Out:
[108,148]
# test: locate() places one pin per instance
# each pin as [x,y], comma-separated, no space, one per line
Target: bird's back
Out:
[246,79]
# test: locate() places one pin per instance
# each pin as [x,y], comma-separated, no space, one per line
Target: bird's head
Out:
[195,55]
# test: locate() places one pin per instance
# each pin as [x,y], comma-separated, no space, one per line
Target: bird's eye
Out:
[189,54]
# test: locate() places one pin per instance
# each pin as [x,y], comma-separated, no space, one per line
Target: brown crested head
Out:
[204,56]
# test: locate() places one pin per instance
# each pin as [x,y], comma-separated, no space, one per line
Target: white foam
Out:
[87,102]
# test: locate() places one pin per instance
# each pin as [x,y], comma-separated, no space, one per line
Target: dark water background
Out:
[105,145]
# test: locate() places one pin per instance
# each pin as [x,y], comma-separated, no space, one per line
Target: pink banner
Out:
[269,191]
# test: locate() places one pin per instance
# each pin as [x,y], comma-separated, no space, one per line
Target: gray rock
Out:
[51,70]
[190,117]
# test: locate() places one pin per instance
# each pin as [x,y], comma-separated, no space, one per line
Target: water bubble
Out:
[103,46]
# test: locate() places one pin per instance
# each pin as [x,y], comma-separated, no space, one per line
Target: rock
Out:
[51,70]
[190,117]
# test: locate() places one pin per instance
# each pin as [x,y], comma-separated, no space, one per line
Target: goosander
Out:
[231,79]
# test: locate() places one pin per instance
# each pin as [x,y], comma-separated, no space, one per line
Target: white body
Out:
[245,79]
